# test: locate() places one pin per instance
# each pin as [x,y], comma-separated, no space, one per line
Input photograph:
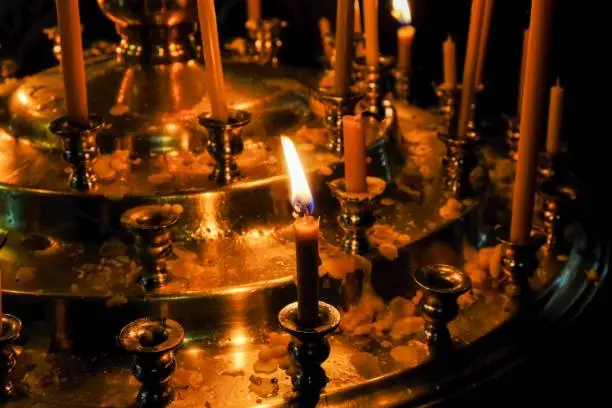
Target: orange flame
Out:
[301,197]
[401,11]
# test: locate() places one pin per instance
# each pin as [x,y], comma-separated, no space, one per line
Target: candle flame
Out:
[401,11]
[301,197]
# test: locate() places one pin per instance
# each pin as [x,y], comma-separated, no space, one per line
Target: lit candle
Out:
[522,73]
[212,59]
[371,31]
[484,37]
[344,47]
[532,113]
[73,63]
[254,10]
[555,118]
[355,170]
[469,67]
[306,228]
[405,34]
[449,59]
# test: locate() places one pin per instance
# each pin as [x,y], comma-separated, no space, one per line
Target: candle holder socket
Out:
[512,137]
[442,285]
[459,160]
[375,79]
[356,213]
[402,83]
[10,331]
[449,99]
[151,227]
[311,348]
[555,213]
[336,107]
[79,149]
[153,344]
[265,36]
[225,142]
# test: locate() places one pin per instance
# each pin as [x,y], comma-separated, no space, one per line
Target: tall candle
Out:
[449,59]
[73,63]
[469,67]
[212,59]
[254,10]
[355,170]
[522,73]
[555,118]
[344,47]
[532,113]
[484,37]
[370,8]
[357,28]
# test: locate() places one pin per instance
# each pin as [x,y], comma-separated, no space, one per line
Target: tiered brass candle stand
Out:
[336,107]
[356,213]
[225,143]
[459,160]
[79,149]
[10,330]
[151,227]
[153,344]
[309,349]
[512,137]
[442,285]
[265,36]
[375,83]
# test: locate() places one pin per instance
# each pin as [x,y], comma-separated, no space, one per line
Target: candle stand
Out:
[79,149]
[448,102]
[224,143]
[356,213]
[375,82]
[153,344]
[556,213]
[402,84]
[9,332]
[310,349]
[442,285]
[512,137]
[266,43]
[151,227]
[459,160]
[336,107]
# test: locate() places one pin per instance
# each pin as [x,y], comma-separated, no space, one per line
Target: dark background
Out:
[571,368]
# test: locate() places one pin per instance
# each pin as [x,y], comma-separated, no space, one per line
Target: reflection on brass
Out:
[10,329]
[512,137]
[336,107]
[375,83]
[459,161]
[265,36]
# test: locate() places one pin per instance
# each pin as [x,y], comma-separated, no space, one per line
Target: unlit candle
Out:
[355,154]
[555,118]
[344,47]
[370,8]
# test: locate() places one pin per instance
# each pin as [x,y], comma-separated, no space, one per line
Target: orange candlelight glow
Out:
[405,34]
[300,191]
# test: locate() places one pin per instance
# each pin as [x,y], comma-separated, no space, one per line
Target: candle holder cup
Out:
[10,331]
[356,213]
[442,285]
[555,213]
[336,107]
[79,149]
[225,142]
[375,80]
[151,227]
[266,40]
[459,160]
[311,348]
[153,345]
[512,137]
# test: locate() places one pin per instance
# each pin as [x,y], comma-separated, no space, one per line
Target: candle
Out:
[469,67]
[344,47]
[306,228]
[522,73]
[371,31]
[449,58]
[325,31]
[357,18]
[355,171]
[254,10]
[405,34]
[484,36]
[212,59]
[555,118]
[532,112]
[73,63]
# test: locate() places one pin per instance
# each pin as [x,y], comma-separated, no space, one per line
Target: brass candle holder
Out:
[309,349]
[266,43]
[459,160]
[79,149]
[402,84]
[153,345]
[151,227]
[356,213]
[10,331]
[449,99]
[225,142]
[336,107]
[375,80]
[442,285]
[555,212]
[512,137]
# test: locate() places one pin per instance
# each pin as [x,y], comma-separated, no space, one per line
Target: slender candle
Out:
[370,8]
[254,10]
[212,59]
[449,58]
[73,63]
[522,73]
[555,118]
[325,31]
[484,37]
[532,113]
[344,47]
[405,34]
[357,28]
[355,170]
[469,68]
[306,228]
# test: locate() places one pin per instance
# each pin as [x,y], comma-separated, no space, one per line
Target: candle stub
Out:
[307,265]
[449,59]
[555,119]
[355,154]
